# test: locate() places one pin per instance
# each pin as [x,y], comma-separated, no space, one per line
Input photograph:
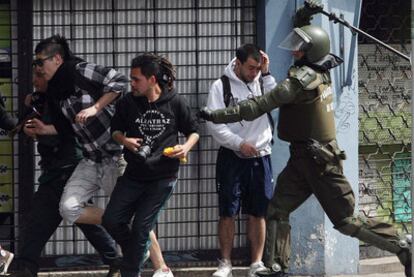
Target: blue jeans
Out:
[44,218]
[143,201]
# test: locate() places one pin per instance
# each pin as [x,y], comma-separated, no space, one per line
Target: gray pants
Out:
[86,180]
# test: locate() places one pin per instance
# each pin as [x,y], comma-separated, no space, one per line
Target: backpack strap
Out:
[269,115]
[261,85]
[227,95]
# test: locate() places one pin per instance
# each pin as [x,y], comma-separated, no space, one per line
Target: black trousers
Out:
[142,201]
[44,218]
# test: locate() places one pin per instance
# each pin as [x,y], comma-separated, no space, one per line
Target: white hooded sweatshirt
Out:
[257,132]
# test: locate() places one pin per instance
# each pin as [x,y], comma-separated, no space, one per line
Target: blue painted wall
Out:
[317,248]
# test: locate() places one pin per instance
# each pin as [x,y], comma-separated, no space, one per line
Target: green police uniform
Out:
[306,120]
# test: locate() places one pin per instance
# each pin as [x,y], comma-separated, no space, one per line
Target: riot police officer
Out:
[306,120]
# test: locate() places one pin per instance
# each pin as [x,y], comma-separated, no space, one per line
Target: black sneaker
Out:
[407,269]
[114,269]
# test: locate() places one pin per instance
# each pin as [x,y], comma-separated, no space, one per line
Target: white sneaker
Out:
[256,268]
[224,269]
[163,272]
[6,258]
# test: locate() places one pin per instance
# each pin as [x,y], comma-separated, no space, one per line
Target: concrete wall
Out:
[317,248]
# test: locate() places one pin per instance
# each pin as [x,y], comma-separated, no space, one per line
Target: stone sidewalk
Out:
[377,267]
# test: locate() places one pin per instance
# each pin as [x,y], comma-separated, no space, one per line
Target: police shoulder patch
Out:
[307,77]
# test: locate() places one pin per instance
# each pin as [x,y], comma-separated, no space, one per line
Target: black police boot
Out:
[407,269]
[405,254]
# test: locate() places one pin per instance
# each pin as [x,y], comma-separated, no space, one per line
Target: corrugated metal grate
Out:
[200,37]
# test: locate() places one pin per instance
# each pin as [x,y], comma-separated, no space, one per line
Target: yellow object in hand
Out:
[169,150]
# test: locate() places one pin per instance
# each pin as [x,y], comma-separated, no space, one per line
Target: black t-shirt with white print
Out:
[158,124]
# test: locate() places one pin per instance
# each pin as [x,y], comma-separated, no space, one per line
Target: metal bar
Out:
[26,155]
[342,54]
[335,19]
[151,9]
[261,24]
[197,58]
[412,136]
[357,15]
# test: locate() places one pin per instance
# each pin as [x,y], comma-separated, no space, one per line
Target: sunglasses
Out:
[40,62]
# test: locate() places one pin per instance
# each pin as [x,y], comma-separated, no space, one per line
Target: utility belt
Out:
[321,153]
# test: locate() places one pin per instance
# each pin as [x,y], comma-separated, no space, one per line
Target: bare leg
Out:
[256,232]
[91,215]
[226,236]
[155,253]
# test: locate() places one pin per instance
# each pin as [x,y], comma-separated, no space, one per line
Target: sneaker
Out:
[6,258]
[224,269]
[163,272]
[114,270]
[256,268]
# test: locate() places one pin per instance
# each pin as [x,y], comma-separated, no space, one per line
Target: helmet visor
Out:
[297,40]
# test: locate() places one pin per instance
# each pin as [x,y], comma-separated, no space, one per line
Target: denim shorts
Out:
[243,183]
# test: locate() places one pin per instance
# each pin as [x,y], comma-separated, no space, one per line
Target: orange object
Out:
[169,150]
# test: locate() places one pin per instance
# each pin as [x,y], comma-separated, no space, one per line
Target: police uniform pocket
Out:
[335,167]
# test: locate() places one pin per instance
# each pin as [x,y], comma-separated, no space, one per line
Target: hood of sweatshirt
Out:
[165,96]
[229,72]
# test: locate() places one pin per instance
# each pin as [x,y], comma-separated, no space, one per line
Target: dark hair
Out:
[248,51]
[153,65]
[53,45]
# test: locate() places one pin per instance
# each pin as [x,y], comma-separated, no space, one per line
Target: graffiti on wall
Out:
[385,136]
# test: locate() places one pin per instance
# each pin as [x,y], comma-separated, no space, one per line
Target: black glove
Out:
[304,14]
[205,114]
[313,6]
